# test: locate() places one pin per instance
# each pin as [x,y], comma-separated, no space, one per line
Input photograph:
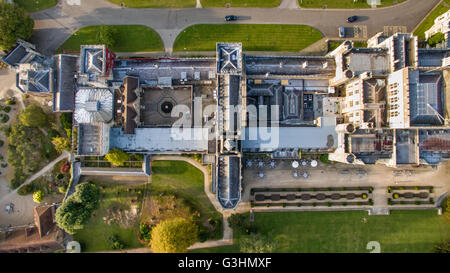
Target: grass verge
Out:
[288,38]
[429,20]
[156,3]
[36,5]
[128,38]
[343,4]
[240,3]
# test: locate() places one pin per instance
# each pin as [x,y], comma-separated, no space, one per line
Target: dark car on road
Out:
[231,18]
[352,19]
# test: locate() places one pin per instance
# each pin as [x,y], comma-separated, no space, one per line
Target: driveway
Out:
[53,26]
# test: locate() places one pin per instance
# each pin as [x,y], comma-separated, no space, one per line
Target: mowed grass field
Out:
[347,231]
[240,3]
[343,4]
[185,181]
[128,38]
[156,3]
[429,20]
[288,38]
[36,5]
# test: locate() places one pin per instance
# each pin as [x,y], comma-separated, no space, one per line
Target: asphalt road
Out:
[53,26]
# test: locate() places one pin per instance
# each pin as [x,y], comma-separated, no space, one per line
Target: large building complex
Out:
[382,104]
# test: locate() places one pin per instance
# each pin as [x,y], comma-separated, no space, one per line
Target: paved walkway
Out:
[48,167]
[53,26]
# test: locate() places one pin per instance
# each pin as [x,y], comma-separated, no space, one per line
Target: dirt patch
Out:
[162,207]
[121,216]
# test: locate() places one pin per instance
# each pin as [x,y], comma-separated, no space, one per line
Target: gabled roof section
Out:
[93,59]
[229,181]
[229,58]
[43,217]
[23,53]
[65,71]
[40,81]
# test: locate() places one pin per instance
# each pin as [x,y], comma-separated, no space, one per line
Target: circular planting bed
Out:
[350,196]
[275,197]
[321,196]
[335,196]
[290,197]
[305,197]
[260,197]
[423,195]
[408,195]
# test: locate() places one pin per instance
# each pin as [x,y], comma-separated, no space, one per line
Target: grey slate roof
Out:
[66,69]
[229,181]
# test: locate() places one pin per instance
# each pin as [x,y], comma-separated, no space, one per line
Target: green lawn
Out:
[36,5]
[429,21]
[128,38]
[94,237]
[253,37]
[342,4]
[156,3]
[325,232]
[241,3]
[185,181]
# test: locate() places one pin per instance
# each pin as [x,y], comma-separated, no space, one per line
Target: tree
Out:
[77,209]
[61,143]
[105,35]
[33,116]
[256,243]
[38,196]
[173,236]
[14,23]
[117,157]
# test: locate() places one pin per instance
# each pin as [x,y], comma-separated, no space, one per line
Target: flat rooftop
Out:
[160,140]
[290,66]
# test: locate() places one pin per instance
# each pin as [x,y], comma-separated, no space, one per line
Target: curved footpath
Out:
[53,26]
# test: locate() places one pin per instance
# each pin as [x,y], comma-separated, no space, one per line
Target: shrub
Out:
[436,39]
[117,157]
[59,176]
[115,242]
[11,101]
[145,232]
[329,204]
[389,189]
[299,205]
[364,196]
[267,205]
[284,205]
[395,196]
[38,196]
[4,165]
[4,118]
[344,204]
[370,189]
[64,168]
[1,143]
[26,189]
[324,158]
[314,204]
[62,189]
[418,203]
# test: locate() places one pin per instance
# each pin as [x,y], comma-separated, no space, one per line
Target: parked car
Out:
[231,18]
[352,19]
[341,32]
